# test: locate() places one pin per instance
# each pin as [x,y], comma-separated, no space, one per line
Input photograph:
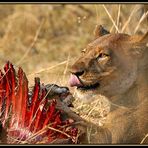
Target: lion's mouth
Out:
[88,87]
[75,81]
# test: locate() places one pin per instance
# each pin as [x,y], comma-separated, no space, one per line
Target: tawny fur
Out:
[123,78]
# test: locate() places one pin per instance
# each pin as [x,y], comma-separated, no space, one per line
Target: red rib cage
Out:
[32,122]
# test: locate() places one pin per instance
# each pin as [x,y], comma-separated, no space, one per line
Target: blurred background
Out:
[45,39]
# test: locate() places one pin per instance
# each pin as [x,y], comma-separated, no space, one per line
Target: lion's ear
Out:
[100,31]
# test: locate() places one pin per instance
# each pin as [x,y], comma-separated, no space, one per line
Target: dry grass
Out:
[45,39]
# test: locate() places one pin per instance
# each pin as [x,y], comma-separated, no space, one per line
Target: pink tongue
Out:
[74,81]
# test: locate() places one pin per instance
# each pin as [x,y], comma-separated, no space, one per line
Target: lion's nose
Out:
[78,73]
[78,69]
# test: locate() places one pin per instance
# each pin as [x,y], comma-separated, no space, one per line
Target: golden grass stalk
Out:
[4,74]
[48,68]
[111,29]
[34,135]
[128,20]
[118,16]
[111,18]
[44,130]
[141,19]
[144,138]
[66,67]
[33,43]
[97,14]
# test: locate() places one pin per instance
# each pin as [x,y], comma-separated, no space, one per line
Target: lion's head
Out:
[108,65]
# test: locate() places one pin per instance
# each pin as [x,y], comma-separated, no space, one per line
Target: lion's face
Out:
[107,66]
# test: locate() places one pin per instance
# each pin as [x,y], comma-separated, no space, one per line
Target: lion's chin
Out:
[89,87]
[93,98]
[87,96]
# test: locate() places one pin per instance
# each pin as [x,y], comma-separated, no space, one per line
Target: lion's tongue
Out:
[74,81]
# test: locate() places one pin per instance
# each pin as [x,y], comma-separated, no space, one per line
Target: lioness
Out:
[116,66]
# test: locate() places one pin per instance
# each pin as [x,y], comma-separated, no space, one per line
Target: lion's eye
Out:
[84,50]
[102,56]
